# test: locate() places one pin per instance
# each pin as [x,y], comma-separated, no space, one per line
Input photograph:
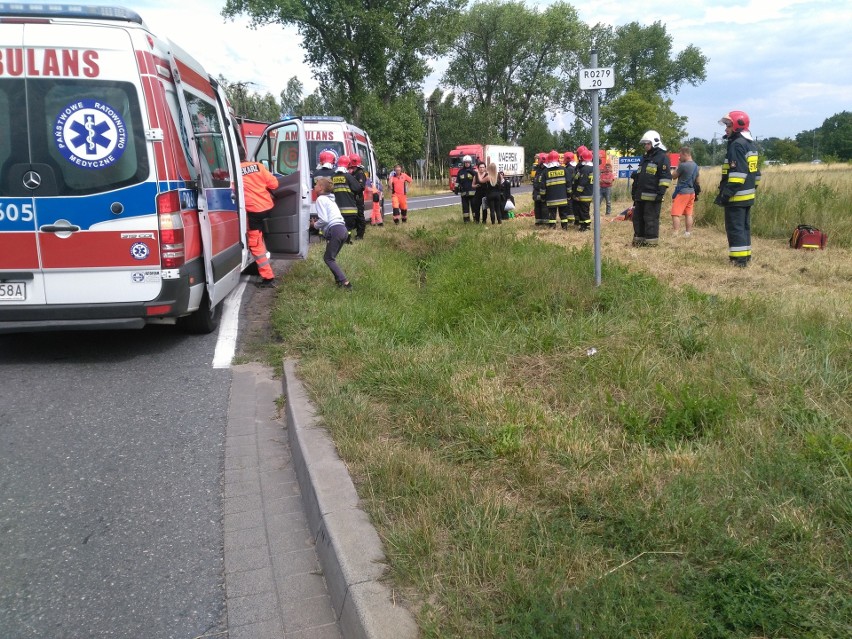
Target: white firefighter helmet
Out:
[467,158]
[654,138]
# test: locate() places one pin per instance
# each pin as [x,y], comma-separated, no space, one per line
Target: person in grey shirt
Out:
[686,175]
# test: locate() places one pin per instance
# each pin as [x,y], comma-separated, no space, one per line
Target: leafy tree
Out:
[506,65]
[291,96]
[700,151]
[379,47]
[644,60]
[632,114]
[397,130]
[250,104]
[811,143]
[837,135]
[537,138]
[787,151]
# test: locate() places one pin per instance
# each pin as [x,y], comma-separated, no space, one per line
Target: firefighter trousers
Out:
[738,229]
[646,222]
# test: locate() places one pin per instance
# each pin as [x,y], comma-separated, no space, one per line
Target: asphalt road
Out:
[111,454]
[433,201]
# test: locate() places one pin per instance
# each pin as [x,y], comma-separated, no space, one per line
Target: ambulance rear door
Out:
[284,150]
[78,224]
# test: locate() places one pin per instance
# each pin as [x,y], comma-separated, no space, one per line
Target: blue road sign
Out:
[627,165]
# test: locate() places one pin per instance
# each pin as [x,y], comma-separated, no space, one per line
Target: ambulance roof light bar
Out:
[323,118]
[50,10]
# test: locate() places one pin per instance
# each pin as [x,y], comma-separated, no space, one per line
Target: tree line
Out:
[509,69]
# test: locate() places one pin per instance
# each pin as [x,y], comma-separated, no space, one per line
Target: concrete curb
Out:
[349,548]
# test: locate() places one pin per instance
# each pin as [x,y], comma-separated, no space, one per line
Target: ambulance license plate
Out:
[13,291]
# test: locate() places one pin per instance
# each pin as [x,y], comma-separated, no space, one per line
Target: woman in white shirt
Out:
[331,225]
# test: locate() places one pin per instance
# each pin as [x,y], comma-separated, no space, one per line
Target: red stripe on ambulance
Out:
[98,249]
[18,251]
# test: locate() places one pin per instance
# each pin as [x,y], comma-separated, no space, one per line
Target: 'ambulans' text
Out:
[67,63]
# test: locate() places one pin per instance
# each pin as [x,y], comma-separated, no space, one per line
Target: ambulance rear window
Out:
[87,135]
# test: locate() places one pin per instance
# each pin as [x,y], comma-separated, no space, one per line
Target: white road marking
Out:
[229,324]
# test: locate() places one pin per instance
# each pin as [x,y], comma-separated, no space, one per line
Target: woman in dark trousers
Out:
[480,183]
[494,196]
[506,190]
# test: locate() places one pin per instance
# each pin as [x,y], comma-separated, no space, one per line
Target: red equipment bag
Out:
[808,237]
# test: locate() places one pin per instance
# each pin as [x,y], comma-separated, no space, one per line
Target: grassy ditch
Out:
[544,458]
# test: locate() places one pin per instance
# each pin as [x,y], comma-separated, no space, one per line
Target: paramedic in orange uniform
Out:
[398,189]
[257,184]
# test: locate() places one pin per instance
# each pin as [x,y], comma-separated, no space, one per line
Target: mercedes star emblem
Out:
[32,180]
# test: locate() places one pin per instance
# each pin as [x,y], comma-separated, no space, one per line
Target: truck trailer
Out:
[509,160]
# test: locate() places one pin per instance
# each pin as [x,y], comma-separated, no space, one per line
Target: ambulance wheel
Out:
[203,321]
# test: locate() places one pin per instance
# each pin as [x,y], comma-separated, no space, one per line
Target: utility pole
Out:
[432,143]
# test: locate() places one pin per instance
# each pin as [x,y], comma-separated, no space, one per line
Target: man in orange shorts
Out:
[686,175]
[398,186]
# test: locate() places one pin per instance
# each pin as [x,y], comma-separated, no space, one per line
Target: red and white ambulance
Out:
[120,189]
[282,144]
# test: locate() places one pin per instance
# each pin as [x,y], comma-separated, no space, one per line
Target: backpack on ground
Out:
[808,237]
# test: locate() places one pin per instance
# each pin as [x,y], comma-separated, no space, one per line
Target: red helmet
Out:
[326,157]
[553,156]
[580,150]
[542,157]
[354,159]
[738,120]
[585,155]
[343,161]
[568,156]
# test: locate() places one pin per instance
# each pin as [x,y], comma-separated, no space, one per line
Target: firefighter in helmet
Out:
[464,186]
[738,186]
[554,190]
[569,159]
[650,182]
[346,189]
[356,169]
[584,181]
[539,206]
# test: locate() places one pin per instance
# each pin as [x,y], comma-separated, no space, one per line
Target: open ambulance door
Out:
[214,153]
[284,151]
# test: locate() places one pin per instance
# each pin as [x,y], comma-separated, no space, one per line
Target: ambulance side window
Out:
[364,152]
[13,136]
[287,157]
[212,149]
[89,132]
[180,129]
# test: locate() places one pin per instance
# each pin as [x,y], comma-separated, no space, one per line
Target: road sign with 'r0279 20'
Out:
[600,78]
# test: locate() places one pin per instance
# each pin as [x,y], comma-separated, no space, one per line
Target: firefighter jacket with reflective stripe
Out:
[537,181]
[345,189]
[257,184]
[361,177]
[464,181]
[653,177]
[323,171]
[584,182]
[739,172]
[554,185]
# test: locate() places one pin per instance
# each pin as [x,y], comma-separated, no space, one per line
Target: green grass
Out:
[789,196]
[690,477]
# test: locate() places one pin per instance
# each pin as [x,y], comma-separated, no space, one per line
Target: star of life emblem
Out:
[90,134]
[139,250]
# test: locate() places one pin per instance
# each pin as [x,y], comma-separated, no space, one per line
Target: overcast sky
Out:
[787,63]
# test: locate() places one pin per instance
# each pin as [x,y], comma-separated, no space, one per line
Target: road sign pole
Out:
[596,189]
